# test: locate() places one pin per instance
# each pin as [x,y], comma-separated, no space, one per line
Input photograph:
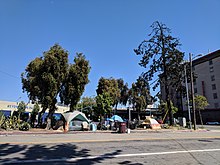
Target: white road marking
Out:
[110,156]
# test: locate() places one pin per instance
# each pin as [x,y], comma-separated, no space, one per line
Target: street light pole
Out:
[187,97]
[192,91]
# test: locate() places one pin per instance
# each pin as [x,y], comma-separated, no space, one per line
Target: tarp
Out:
[152,122]
[69,116]
[116,118]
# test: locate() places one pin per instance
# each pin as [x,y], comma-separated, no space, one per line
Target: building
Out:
[8,107]
[207,83]
[207,69]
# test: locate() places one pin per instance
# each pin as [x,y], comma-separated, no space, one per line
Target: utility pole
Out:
[187,97]
[192,91]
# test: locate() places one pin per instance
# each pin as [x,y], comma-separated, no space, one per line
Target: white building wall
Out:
[12,106]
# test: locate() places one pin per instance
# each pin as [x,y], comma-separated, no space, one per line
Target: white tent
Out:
[76,121]
[69,116]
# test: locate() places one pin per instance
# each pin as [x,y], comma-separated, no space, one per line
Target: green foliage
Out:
[25,126]
[139,95]
[44,75]
[11,123]
[109,86]
[123,88]
[36,109]
[103,102]
[75,81]
[34,113]
[21,107]
[200,102]
[2,119]
[87,106]
[48,76]
[163,107]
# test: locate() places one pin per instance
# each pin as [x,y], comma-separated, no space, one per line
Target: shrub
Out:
[2,119]
[25,126]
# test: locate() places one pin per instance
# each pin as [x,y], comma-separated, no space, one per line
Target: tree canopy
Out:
[21,107]
[109,86]
[104,104]
[139,95]
[75,81]
[200,104]
[161,57]
[50,75]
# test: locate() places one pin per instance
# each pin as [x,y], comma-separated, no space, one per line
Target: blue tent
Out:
[116,118]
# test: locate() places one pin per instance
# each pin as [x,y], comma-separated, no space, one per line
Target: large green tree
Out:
[43,78]
[103,105]
[161,56]
[109,86]
[75,81]
[123,97]
[139,95]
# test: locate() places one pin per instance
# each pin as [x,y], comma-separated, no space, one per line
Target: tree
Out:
[200,104]
[87,106]
[123,88]
[104,105]
[139,95]
[164,109]
[109,86]
[43,78]
[21,108]
[34,113]
[161,56]
[75,82]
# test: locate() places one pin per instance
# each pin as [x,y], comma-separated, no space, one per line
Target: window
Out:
[210,62]
[216,105]
[211,69]
[195,90]
[215,96]
[213,78]
[213,87]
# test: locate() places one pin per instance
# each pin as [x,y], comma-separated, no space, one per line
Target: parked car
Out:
[212,123]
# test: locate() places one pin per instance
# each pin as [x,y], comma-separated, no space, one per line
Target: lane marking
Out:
[110,156]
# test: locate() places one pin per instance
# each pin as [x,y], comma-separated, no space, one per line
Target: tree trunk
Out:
[40,114]
[166,78]
[116,107]
[50,116]
[200,116]
[139,118]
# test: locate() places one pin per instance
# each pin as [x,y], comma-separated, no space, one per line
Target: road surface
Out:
[162,148]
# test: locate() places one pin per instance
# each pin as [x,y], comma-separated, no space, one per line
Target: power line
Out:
[10,75]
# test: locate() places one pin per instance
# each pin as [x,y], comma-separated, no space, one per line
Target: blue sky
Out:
[106,31]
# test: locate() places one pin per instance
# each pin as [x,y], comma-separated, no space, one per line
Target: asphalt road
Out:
[210,127]
[173,148]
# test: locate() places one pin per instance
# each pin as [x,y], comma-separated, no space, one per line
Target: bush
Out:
[2,119]
[25,126]
[11,123]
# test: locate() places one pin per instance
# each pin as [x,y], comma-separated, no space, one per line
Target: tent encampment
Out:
[75,120]
[151,122]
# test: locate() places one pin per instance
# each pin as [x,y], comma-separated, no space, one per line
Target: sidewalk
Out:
[39,136]
[44,131]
